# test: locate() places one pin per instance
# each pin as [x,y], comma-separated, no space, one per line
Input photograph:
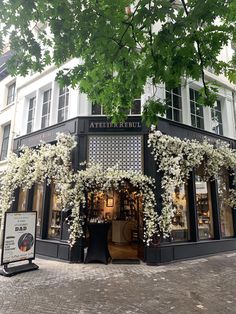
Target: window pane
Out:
[29,127]
[177,91]
[191,94]
[96,108]
[54,225]
[169,113]
[177,102]
[11,94]
[22,201]
[177,115]
[38,205]
[204,207]
[192,105]
[180,221]
[44,122]
[136,107]
[193,121]
[61,102]
[45,108]
[6,133]
[226,219]
[61,116]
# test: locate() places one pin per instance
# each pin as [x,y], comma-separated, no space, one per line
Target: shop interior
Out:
[121,210]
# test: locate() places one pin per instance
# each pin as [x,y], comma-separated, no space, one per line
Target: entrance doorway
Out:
[122,210]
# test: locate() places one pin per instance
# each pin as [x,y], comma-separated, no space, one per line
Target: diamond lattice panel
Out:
[126,151]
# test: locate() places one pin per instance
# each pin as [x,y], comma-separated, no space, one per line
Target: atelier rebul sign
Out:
[108,126]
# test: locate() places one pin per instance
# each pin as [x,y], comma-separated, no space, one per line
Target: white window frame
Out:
[214,123]
[64,95]
[196,104]
[33,109]
[129,114]
[4,138]
[171,105]
[48,111]
[11,96]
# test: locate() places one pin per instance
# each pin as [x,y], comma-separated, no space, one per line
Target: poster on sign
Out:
[18,237]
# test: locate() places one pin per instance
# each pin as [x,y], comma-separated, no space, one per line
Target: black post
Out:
[232,186]
[215,209]
[194,236]
[30,199]
[46,208]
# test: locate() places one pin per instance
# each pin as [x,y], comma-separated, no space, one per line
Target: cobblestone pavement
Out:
[205,285]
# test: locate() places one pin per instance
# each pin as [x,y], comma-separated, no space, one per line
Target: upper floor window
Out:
[97,109]
[11,93]
[31,114]
[5,141]
[136,109]
[63,104]
[46,108]
[216,119]
[197,118]
[174,102]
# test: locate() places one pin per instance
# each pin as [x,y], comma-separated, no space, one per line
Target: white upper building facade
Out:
[35,102]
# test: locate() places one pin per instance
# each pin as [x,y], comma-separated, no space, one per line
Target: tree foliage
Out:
[121,45]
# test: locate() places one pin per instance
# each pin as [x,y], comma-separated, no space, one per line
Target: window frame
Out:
[171,106]
[196,106]
[33,110]
[5,138]
[64,94]
[103,114]
[48,111]
[11,93]
[218,129]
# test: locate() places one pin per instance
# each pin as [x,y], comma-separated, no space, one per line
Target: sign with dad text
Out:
[18,237]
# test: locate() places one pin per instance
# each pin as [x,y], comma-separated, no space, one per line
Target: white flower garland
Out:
[95,179]
[53,163]
[176,158]
[47,162]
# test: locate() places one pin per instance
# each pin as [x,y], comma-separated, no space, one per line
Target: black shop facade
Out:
[202,225]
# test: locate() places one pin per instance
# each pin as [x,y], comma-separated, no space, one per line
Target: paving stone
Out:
[196,286]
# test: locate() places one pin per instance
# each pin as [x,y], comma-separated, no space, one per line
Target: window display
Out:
[22,203]
[180,221]
[204,207]
[54,224]
[226,219]
[38,205]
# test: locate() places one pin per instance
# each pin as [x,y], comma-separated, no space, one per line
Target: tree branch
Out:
[199,53]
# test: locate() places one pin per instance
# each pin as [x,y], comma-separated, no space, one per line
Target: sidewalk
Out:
[205,285]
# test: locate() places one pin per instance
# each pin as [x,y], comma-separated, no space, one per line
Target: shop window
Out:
[54,224]
[180,221]
[216,119]
[11,94]
[5,141]
[197,118]
[38,205]
[22,201]
[174,102]
[63,104]
[31,114]
[204,206]
[226,219]
[46,108]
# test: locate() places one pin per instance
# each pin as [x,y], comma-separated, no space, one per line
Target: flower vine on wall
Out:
[52,163]
[176,158]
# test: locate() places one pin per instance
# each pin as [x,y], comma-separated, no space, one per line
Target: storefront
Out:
[203,224]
